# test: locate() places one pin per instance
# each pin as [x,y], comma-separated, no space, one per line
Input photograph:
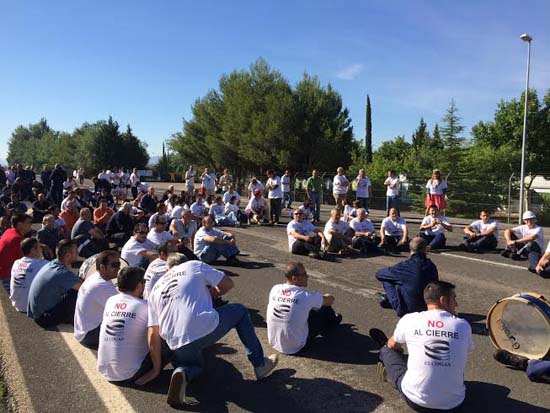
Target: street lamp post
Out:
[526,38]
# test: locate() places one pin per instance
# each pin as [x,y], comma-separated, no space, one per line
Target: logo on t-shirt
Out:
[18,280]
[438,350]
[169,290]
[281,311]
[115,328]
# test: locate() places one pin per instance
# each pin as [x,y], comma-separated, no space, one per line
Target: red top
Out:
[10,250]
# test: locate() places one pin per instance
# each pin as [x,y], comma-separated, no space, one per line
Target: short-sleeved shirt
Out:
[285,182]
[227,196]
[178,211]
[90,303]
[159,237]
[198,208]
[393,181]
[394,228]
[479,226]
[341,227]
[438,344]
[302,228]
[435,187]
[218,211]
[155,270]
[315,184]
[277,192]
[23,272]
[122,337]
[185,230]
[200,244]
[362,226]
[49,287]
[337,185]
[363,185]
[258,185]
[132,248]
[255,204]
[523,231]
[428,219]
[10,250]
[287,315]
[208,180]
[181,305]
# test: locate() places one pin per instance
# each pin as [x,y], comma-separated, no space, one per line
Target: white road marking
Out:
[501,264]
[110,394]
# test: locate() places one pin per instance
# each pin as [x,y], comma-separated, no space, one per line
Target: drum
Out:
[88,267]
[520,324]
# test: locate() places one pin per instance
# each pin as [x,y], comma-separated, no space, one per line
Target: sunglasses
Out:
[142,232]
[297,213]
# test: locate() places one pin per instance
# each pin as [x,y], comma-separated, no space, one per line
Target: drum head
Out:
[88,267]
[521,326]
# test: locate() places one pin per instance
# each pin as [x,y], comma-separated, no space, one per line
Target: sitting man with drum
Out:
[525,241]
[438,342]
[481,235]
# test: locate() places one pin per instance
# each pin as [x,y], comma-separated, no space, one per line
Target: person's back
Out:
[22,274]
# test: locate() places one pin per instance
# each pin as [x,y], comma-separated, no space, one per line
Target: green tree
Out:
[421,136]
[368,133]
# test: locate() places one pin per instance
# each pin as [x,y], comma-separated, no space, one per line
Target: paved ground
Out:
[49,371]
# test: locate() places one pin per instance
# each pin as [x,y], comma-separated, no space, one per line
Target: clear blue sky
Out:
[145,62]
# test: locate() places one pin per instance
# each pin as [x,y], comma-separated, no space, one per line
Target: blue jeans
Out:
[392,202]
[213,251]
[228,220]
[435,241]
[288,198]
[364,202]
[538,370]
[316,205]
[487,242]
[189,357]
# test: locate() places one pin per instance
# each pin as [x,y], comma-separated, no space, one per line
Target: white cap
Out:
[528,215]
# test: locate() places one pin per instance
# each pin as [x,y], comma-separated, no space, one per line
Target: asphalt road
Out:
[49,371]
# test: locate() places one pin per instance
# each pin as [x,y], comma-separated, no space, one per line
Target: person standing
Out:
[314,189]
[134,183]
[190,181]
[286,184]
[226,180]
[436,191]
[57,178]
[364,189]
[208,182]
[392,191]
[275,196]
[340,186]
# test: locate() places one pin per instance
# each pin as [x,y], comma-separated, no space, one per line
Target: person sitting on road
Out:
[198,208]
[217,212]
[404,282]
[394,233]
[211,243]
[538,371]
[89,237]
[10,246]
[23,272]
[52,296]
[71,196]
[158,267]
[69,215]
[181,313]
[139,251]
[346,210]
[305,209]
[92,296]
[40,208]
[49,235]
[158,233]
[256,208]
[161,212]
[438,342]
[184,229]
[481,235]
[364,238]
[123,353]
[338,234]
[232,210]
[121,225]
[304,238]
[295,316]
[149,202]
[433,229]
[543,268]
[254,185]
[230,193]
[103,214]
[179,208]
[525,241]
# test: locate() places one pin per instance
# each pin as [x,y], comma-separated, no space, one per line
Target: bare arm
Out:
[394,344]
[153,338]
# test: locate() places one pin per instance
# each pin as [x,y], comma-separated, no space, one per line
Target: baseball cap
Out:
[528,215]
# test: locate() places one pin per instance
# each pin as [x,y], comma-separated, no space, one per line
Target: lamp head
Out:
[525,37]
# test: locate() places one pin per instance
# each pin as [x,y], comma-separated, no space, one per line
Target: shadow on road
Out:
[477,322]
[257,319]
[492,398]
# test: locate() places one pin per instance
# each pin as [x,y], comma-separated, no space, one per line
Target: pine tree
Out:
[368,133]
[452,128]
[421,136]
[437,142]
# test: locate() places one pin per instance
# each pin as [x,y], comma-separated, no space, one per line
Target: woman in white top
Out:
[436,191]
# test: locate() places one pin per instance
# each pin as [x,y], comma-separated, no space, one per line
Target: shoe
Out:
[381,372]
[531,269]
[515,257]
[464,247]
[505,254]
[513,360]
[237,224]
[378,336]
[268,366]
[338,319]
[176,391]
[382,299]
[233,261]
[315,255]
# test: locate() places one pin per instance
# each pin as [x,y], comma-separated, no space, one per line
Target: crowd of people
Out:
[167,304]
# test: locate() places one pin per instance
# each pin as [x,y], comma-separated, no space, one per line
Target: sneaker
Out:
[381,372]
[268,366]
[531,269]
[464,247]
[382,299]
[516,257]
[176,391]
[513,360]
[378,336]
[505,254]
[233,261]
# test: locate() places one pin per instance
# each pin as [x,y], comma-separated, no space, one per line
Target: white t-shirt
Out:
[200,244]
[285,183]
[394,229]
[428,219]
[198,209]
[337,185]
[436,187]
[302,228]
[122,337]
[23,271]
[363,185]
[227,196]
[306,212]
[479,227]
[185,230]
[178,211]
[152,218]
[522,231]
[255,204]
[155,270]
[287,314]
[341,227]
[208,180]
[361,226]
[90,304]
[134,179]
[231,208]
[252,187]
[438,343]
[190,178]
[159,237]
[218,211]
[274,193]
[181,305]
[393,181]
[132,248]
[348,210]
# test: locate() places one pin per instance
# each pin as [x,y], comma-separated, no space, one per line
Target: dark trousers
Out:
[190,255]
[316,205]
[120,238]
[395,363]
[275,209]
[487,242]
[390,244]
[62,313]
[435,241]
[134,192]
[364,202]
[304,248]
[166,356]
[321,320]
[91,339]
[530,250]
[365,244]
